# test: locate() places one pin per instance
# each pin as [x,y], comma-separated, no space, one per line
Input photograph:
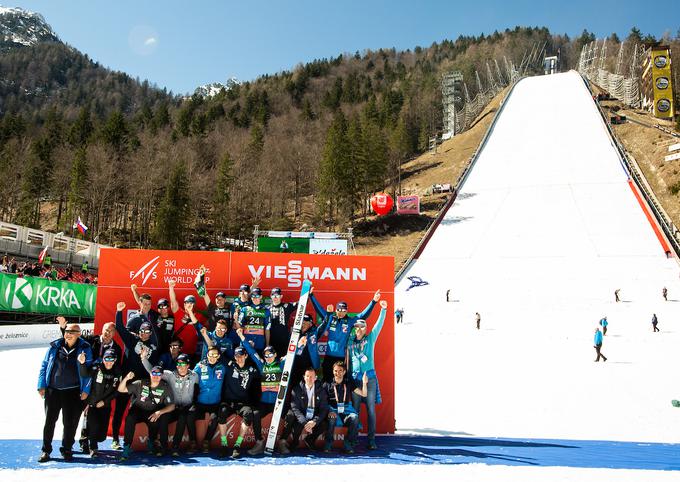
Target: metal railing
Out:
[669,229]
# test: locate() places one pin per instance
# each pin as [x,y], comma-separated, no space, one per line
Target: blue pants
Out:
[369,401]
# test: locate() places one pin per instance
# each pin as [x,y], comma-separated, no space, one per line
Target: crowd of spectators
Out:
[47,269]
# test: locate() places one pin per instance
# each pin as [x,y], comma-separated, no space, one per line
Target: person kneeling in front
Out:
[151,403]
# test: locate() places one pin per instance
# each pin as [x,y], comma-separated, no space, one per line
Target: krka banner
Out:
[41,295]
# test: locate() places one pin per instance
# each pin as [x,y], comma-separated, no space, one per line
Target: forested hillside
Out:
[305,146]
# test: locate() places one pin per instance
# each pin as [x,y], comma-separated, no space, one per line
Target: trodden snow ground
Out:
[543,231]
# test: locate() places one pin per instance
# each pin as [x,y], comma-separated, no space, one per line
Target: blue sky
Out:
[183,44]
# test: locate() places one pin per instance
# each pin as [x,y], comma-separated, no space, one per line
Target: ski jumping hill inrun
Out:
[544,229]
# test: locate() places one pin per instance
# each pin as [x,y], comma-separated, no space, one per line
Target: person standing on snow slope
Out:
[603,324]
[598,345]
[338,327]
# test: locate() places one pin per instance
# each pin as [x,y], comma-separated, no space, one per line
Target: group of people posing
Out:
[178,365]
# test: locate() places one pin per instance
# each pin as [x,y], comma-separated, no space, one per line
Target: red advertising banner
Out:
[408,205]
[353,279]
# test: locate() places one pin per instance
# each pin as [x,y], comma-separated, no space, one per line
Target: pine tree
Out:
[82,128]
[78,185]
[222,194]
[172,216]
[400,148]
[256,144]
[335,156]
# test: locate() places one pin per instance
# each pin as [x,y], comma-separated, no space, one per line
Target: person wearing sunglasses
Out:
[63,389]
[361,355]
[186,318]
[277,334]
[210,372]
[338,325]
[152,401]
[168,359]
[133,343]
[240,393]
[254,318]
[270,374]
[218,338]
[241,301]
[164,324]
[104,377]
[307,351]
[184,385]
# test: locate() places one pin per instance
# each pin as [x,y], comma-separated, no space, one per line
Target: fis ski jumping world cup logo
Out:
[21,295]
[169,271]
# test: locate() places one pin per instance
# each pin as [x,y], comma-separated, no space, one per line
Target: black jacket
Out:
[299,403]
[103,383]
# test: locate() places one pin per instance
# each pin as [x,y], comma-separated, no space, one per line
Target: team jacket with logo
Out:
[254,319]
[150,398]
[103,383]
[338,330]
[270,374]
[210,381]
[240,384]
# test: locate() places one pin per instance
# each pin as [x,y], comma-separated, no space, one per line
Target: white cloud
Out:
[151,41]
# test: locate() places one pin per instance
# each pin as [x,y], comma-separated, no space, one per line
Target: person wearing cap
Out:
[131,362]
[184,385]
[241,301]
[152,401]
[361,355]
[165,324]
[338,326]
[168,359]
[277,334]
[188,321]
[341,412]
[270,370]
[307,416]
[63,389]
[307,352]
[218,309]
[104,376]
[210,372]
[217,338]
[254,318]
[240,393]
[134,344]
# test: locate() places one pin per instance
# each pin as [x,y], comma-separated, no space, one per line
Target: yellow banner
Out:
[662,84]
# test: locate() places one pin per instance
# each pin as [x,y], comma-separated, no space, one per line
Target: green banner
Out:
[41,295]
[283,245]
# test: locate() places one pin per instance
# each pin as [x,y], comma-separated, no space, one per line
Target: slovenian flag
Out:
[80,226]
[41,256]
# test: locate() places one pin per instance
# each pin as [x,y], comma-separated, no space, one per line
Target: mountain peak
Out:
[19,27]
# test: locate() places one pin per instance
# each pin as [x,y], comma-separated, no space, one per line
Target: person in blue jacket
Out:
[210,373]
[361,355]
[603,324]
[219,338]
[598,345]
[338,325]
[63,388]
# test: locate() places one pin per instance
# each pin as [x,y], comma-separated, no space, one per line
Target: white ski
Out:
[287,367]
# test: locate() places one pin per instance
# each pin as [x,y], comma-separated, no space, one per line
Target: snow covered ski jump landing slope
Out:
[543,231]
